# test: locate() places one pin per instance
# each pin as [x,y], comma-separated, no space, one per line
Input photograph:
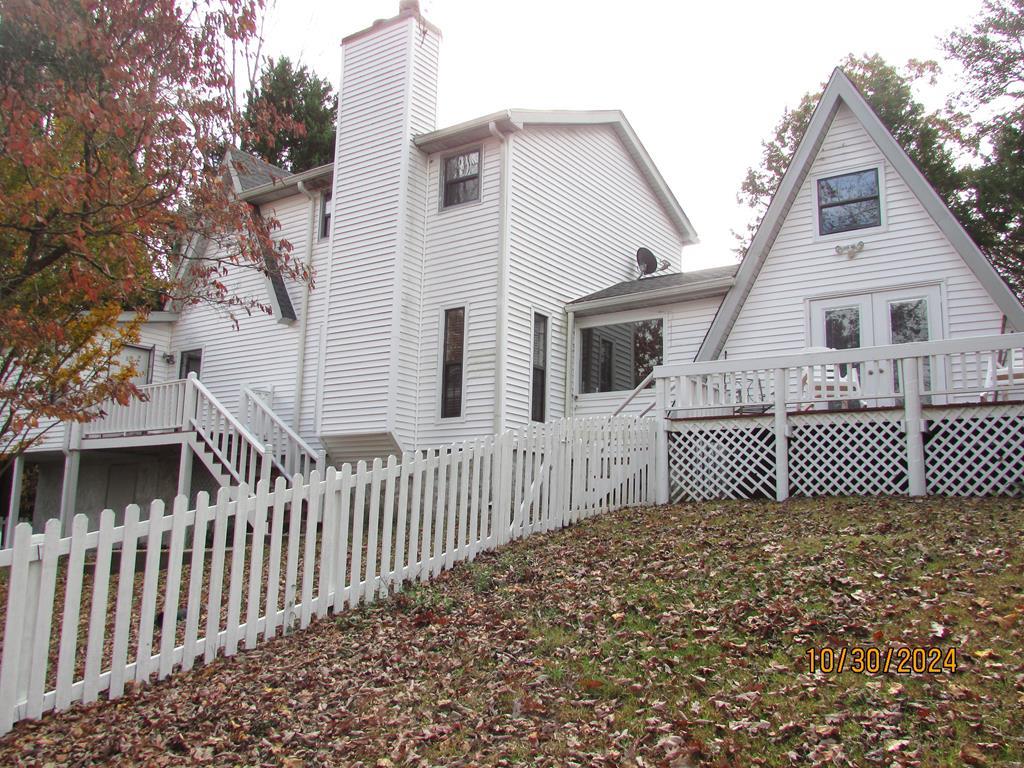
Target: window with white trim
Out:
[461,180]
[617,357]
[539,384]
[325,214]
[848,202]
[453,352]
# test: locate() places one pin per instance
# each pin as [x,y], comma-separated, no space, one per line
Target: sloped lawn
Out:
[661,637]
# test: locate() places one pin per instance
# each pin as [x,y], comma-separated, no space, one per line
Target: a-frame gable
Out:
[841,91]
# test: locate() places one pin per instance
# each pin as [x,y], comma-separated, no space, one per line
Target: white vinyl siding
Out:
[418,206]
[909,249]
[580,209]
[461,269]
[260,352]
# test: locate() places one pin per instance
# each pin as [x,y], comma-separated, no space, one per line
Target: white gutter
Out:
[503,278]
[666,295]
[300,363]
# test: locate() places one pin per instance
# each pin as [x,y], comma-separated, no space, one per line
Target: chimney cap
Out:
[408,6]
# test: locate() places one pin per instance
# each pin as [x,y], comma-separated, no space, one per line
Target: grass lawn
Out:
[660,637]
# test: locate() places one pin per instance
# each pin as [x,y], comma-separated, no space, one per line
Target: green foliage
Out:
[991,53]
[922,134]
[305,104]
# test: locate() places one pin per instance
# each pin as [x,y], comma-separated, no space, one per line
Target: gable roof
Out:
[657,289]
[249,172]
[840,90]
[510,120]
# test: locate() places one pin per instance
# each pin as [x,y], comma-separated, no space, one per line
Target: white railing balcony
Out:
[969,370]
[161,408]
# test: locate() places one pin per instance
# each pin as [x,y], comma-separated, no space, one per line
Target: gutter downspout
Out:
[300,363]
[570,359]
[503,277]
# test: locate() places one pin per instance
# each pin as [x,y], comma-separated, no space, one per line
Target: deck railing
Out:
[941,417]
[159,409]
[949,371]
[240,452]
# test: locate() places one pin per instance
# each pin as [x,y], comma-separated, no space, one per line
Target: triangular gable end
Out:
[841,90]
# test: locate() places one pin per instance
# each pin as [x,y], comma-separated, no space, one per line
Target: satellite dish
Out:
[646,261]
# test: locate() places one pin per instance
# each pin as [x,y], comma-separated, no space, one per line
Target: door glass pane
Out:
[842,328]
[908,322]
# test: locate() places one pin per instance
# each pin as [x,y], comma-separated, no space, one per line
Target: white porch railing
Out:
[290,453]
[161,409]
[890,419]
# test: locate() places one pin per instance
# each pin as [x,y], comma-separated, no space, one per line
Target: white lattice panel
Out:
[975,451]
[722,459]
[847,453]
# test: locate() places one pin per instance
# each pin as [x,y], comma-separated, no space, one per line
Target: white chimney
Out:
[388,95]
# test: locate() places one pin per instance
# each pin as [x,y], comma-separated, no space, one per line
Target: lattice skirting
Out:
[843,454]
[722,459]
[975,451]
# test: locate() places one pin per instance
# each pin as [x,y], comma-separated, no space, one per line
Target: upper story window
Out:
[461,178]
[849,201]
[325,214]
[615,358]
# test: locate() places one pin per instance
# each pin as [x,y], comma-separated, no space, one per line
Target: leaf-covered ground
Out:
[658,637]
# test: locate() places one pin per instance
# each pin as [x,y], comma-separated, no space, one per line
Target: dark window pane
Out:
[618,357]
[461,166]
[848,216]
[849,186]
[540,357]
[451,373]
[842,328]
[325,215]
[464,191]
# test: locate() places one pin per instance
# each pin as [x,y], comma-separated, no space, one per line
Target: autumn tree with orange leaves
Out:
[113,117]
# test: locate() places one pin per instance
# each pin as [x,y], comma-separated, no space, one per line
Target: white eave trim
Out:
[514,119]
[279,188]
[668,295]
[841,89]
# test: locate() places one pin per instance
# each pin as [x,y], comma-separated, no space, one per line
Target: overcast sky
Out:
[702,82]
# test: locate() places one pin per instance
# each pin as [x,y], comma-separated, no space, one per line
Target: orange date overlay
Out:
[869,660]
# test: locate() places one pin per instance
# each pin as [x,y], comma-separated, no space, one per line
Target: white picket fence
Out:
[209,585]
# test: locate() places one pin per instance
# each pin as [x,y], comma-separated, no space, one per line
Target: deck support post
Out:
[185,469]
[781,437]
[69,489]
[912,416]
[661,462]
[14,508]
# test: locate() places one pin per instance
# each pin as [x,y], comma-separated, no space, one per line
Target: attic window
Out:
[461,178]
[849,201]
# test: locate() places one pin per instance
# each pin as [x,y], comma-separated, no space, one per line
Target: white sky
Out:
[701,81]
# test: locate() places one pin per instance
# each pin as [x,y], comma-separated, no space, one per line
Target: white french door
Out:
[898,316]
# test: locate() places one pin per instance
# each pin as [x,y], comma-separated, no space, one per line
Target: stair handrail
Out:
[244,458]
[632,395]
[291,455]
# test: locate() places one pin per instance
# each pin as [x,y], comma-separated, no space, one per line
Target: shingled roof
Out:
[248,171]
[664,287]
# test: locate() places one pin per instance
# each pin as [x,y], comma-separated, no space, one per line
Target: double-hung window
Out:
[461,182]
[849,201]
[452,356]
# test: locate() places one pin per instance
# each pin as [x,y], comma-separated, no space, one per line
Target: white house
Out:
[473,278]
